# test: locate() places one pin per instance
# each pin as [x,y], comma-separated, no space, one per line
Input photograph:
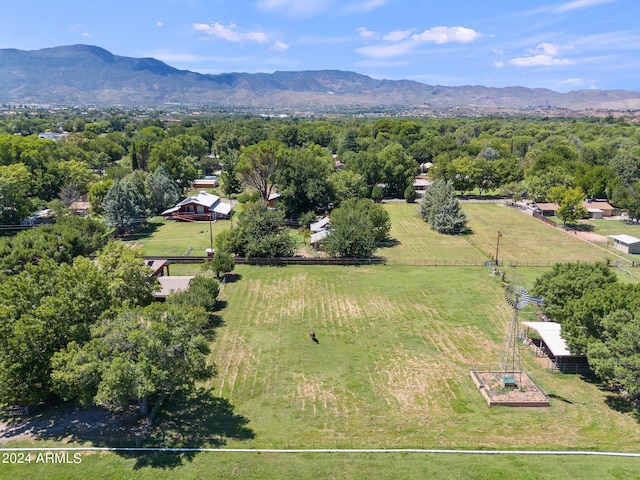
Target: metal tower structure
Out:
[511,366]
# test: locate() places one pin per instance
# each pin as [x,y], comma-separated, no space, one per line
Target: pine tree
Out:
[441,209]
[163,190]
[119,210]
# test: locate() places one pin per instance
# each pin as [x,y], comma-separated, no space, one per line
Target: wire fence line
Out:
[321,450]
[427,262]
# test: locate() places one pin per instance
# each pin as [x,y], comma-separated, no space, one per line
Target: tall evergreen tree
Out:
[441,209]
[120,212]
[163,190]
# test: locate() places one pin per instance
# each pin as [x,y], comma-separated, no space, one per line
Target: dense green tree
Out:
[352,230]
[569,281]
[119,209]
[163,190]
[260,164]
[130,282]
[135,185]
[96,195]
[231,183]
[134,355]
[260,232]
[181,155]
[14,190]
[570,207]
[615,356]
[540,184]
[203,293]
[221,263]
[410,194]
[346,184]
[68,238]
[626,165]
[369,165]
[399,169]
[43,308]
[303,181]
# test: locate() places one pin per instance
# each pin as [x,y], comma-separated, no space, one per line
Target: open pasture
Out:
[174,239]
[524,239]
[391,368]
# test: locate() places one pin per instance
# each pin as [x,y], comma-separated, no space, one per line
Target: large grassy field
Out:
[390,369]
[524,239]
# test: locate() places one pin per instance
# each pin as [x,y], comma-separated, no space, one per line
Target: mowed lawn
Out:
[173,239]
[391,368]
[524,239]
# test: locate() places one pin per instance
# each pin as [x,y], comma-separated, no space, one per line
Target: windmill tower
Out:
[511,366]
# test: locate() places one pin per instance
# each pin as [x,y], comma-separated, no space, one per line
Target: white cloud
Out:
[397,36]
[442,35]
[159,24]
[279,46]
[544,55]
[401,42]
[231,33]
[578,4]
[365,33]
[364,6]
[295,8]
[498,64]
[86,34]
[387,50]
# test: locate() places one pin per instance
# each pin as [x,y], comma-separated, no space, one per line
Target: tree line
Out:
[316,164]
[88,329]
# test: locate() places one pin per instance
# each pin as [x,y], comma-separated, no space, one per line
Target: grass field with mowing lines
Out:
[392,365]
[524,239]
[391,368]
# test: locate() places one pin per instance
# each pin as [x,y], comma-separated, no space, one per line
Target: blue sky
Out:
[562,45]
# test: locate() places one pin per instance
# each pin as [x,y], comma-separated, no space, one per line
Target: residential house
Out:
[202,206]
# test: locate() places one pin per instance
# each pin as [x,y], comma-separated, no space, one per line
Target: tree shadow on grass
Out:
[197,420]
[232,277]
[146,231]
[622,405]
[191,421]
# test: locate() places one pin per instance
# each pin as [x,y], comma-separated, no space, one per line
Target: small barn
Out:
[626,243]
[206,182]
[318,237]
[552,345]
[169,285]
[320,225]
[548,209]
[272,198]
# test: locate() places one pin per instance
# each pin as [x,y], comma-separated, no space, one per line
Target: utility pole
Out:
[498,245]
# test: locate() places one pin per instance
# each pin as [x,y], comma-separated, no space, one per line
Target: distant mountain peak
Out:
[88,74]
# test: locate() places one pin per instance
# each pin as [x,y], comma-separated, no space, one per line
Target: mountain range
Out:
[90,75]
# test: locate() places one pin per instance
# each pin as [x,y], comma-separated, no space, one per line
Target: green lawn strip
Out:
[99,465]
[170,238]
